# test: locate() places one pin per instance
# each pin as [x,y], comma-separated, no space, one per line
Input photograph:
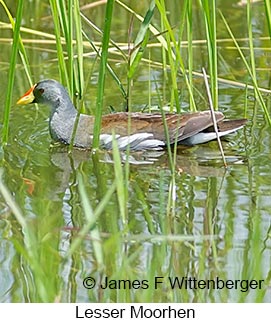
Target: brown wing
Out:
[182,126]
[194,123]
[226,125]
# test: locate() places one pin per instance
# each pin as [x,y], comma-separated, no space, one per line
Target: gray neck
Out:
[62,118]
[64,107]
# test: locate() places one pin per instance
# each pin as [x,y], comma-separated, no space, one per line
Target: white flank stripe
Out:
[203,137]
[138,141]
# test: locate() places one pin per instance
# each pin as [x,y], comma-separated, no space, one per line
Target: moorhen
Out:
[146,130]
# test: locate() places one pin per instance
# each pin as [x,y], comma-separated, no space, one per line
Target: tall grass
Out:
[268,15]
[67,22]
[101,82]
[187,18]
[165,234]
[29,246]
[249,70]
[209,9]
[60,53]
[13,60]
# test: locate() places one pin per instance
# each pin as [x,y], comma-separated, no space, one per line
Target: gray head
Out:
[50,92]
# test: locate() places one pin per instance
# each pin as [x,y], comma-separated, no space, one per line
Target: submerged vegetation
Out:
[126,221]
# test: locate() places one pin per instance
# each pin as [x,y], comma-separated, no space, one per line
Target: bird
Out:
[137,130]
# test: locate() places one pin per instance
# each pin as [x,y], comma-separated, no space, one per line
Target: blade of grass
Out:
[254,81]
[22,51]
[100,32]
[153,30]
[213,116]
[141,41]
[61,60]
[91,216]
[134,59]
[79,70]
[211,212]
[171,56]
[109,68]
[250,38]
[171,38]
[70,20]
[189,21]
[30,242]
[122,189]
[267,5]
[66,21]
[11,74]
[236,83]
[209,9]
[101,80]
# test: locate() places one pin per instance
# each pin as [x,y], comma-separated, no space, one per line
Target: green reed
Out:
[67,24]
[116,247]
[187,19]
[249,70]
[267,5]
[209,10]
[102,69]
[12,69]
[28,247]
[60,53]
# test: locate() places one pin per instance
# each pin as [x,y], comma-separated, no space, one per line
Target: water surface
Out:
[219,224]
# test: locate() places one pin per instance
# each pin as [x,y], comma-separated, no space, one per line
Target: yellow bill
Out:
[28,97]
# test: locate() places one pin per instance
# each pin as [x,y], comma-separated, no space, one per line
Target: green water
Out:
[219,223]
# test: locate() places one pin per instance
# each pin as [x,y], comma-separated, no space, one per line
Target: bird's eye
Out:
[38,92]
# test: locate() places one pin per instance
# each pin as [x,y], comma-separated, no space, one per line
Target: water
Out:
[219,224]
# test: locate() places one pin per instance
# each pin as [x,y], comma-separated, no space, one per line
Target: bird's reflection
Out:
[201,161]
